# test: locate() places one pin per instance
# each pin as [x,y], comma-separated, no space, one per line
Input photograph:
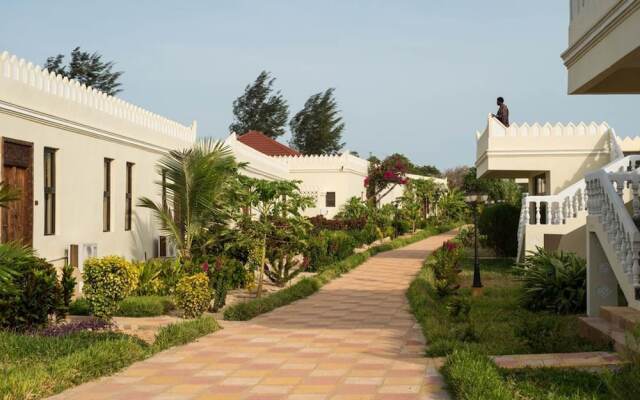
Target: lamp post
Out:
[473,199]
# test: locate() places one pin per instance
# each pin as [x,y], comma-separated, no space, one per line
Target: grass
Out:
[34,367]
[132,306]
[498,324]
[307,286]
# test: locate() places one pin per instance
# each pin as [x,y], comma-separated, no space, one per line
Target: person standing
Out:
[503,112]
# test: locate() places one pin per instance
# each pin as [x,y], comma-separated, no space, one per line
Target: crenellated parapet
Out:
[30,86]
[338,162]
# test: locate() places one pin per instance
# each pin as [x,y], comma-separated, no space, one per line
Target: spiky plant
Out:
[553,281]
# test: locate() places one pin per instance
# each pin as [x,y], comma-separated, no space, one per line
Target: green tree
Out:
[260,109]
[318,127]
[196,183]
[263,208]
[88,69]
[498,190]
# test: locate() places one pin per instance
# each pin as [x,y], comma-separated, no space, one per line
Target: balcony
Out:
[603,55]
[560,153]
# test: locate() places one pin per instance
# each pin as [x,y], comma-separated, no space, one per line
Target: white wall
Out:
[86,126]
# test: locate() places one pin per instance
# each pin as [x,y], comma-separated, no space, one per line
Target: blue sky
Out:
[416,77]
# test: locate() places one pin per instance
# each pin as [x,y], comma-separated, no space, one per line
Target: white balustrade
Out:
[606,200]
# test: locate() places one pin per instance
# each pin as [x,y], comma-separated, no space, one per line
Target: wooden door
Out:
[17,171]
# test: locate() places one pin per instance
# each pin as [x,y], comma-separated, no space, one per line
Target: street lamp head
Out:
[476,198]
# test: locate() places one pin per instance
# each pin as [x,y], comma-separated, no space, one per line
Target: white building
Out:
[81,160]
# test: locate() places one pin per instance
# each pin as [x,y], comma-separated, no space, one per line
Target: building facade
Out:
[80,159]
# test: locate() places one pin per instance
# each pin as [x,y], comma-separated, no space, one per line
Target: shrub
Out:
[193,295]
[33,292]
[446,270]
[67,287]
[499,224]
[145,306]
[340,245]
[107,281]
[554,282]
[339,224]
[227,273]
[472,376]
[172,271]
[316,251]
[245,311]
[183,332]
[80,306]
[547,333]
[149,282]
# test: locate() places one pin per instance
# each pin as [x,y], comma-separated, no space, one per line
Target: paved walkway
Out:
[354,339]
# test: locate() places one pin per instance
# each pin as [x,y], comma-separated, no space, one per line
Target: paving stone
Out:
[353,340]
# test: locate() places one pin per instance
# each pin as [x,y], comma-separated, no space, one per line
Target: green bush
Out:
[145,306]
[32,293]
[107,281]
[149,278]
[340,245]
[67,287]
[316,251]
[555,282]
[225,273]
[193,295]
[472,376]
[80,306]
[252,308]
[499,224]
[545,333]
[183,332]
[446,269]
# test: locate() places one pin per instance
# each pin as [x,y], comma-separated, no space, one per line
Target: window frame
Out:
[49,186]
[333,200]
[106,194]
[128,205]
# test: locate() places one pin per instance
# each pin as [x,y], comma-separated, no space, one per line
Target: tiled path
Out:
[355,339]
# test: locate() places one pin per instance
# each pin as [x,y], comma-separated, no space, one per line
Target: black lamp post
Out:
[473,200]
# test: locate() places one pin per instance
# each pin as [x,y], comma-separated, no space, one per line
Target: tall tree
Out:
[259,109]
[317,128]
[88,69]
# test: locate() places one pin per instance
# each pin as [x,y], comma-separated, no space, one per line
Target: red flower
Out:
[389,175]
[205,266]
[366,181]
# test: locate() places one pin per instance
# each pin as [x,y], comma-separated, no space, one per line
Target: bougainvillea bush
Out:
[384,176]
[107,281]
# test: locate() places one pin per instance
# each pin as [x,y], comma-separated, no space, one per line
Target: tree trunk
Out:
[263,257]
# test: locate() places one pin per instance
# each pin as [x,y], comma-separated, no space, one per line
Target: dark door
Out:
[17,171]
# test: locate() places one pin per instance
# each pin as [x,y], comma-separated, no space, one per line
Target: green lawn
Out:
[498,325]
[33,367]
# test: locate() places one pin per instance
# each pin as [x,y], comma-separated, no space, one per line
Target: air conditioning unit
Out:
[78,254]
[166,248]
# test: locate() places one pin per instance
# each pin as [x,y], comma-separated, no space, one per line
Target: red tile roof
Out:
[266,145]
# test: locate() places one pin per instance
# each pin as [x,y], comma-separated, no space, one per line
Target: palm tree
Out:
[195,182]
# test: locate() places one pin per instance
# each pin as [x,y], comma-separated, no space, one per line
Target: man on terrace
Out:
[503,112]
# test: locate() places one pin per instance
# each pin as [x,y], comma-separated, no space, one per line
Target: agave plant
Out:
[553,281]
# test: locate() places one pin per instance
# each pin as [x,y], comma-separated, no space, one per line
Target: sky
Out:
[414,77]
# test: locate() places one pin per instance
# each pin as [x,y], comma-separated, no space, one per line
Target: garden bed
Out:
[499,325]
[34,366]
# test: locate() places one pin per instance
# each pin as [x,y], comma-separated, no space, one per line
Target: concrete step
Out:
[625,318]
[600,330]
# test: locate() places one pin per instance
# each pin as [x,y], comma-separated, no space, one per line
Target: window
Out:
[165,205]
[128,198]
[330,199]
[106,196]
[49,191]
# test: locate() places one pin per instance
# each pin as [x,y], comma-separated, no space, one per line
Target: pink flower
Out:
[205,266]
[366,181]
[389,175]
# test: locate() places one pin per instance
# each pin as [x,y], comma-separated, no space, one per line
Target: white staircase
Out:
[613,224]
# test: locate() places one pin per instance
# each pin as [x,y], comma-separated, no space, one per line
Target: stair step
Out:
[625,318]
[600,330]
